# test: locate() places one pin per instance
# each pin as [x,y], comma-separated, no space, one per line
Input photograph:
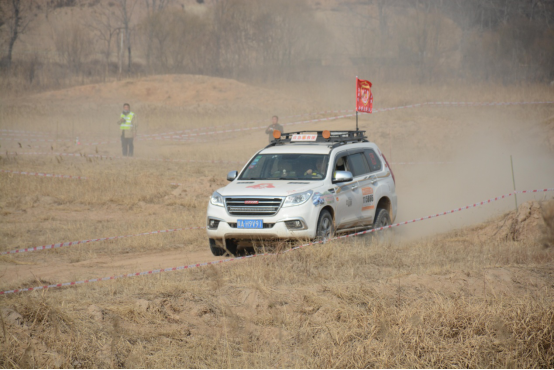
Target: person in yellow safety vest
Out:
[128,125]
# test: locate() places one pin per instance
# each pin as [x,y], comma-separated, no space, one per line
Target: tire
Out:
[382,219]
[325,227]
[216,250]
[230,248]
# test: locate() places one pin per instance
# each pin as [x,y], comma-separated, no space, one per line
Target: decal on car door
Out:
[367,200]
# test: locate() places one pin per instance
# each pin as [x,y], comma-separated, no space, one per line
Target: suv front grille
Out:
[265,206]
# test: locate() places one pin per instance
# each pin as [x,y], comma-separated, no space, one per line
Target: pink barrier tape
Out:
[263,127]
[462,104]
[151,272]
[23,135]
[157,271]
[351,115]
[23,132]
[125,158]
[237,124]
[69,244]
[44,175]
[400,163]
[378,110]
[182,136]
[474,205]
[172,138]
[141,139]
[36,140]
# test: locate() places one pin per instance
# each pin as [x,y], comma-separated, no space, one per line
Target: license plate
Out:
[250,224]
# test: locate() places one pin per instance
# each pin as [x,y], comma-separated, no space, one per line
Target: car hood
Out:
[267,187]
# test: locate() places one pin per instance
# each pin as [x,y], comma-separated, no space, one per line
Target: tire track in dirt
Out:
[53,269]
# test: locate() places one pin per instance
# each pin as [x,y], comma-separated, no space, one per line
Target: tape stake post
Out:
[513,179]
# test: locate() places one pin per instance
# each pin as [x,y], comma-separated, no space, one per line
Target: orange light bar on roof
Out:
[326,134]
[276,134]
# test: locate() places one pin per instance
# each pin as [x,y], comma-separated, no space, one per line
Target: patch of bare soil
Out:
[53,268]
[525,224]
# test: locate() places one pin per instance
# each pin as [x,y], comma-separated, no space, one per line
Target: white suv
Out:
[303,185]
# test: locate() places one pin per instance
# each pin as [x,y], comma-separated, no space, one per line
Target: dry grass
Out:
[338,305]
[461,299]
[548,230]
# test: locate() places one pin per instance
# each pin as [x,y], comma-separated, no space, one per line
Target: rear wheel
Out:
[325,226]
[382,219]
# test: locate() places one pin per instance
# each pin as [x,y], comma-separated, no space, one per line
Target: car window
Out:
[358,164]
[289,166]
[373,160]
[341,164]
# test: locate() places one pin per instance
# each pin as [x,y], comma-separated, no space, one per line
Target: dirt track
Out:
[472,144]
[53,268]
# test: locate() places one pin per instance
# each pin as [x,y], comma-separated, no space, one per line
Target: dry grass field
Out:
[471,289]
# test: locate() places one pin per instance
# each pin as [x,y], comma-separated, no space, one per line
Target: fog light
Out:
[294,224]
[213,224]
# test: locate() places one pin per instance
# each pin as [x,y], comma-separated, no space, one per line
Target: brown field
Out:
[471,289]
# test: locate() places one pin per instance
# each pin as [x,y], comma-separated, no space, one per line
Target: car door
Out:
[362,191]
[378,184]
[346,194]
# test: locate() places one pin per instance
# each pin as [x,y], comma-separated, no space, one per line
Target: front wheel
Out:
[325,226]
[220,249]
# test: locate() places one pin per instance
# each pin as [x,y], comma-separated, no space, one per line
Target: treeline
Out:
[426,41]
[508,41]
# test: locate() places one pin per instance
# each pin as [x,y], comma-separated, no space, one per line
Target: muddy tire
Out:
[217,250]
[325,226]
[382,219]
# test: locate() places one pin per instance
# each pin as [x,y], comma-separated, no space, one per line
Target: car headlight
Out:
[216,199]
[298,199]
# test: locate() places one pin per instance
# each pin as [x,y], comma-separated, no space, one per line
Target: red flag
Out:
[364,96]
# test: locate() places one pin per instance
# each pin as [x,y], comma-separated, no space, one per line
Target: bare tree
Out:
[18,16]
[125,15]
[105,29]
[73,44]
[152,7]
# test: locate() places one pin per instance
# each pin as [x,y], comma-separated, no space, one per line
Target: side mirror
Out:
[232,175]
[342,176]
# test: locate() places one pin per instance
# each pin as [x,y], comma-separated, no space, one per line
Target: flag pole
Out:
[356,103]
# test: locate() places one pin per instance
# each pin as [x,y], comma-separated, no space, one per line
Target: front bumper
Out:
[307,213]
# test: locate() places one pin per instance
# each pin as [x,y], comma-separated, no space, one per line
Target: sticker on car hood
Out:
[265,185]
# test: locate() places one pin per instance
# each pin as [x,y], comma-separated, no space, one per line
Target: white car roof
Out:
[311,148]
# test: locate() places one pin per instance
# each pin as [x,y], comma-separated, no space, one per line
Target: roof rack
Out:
[336,137]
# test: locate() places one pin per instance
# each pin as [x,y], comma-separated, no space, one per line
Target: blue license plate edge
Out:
[250,224]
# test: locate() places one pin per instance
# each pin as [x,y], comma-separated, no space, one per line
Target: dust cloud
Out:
[477,168]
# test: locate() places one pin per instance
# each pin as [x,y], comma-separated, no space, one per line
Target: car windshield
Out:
[286,167]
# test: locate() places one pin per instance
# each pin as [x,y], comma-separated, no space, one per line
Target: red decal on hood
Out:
[261,186]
